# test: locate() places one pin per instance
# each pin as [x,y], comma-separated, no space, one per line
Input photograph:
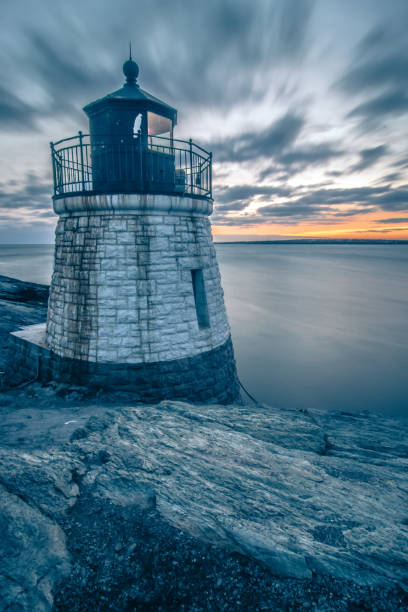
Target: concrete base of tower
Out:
[209,377]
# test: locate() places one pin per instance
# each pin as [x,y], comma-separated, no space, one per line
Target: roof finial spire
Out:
[131,69]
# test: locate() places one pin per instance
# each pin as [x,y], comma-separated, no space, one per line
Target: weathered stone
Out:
[209,376]
[100,262]
[45,478]
[303,494]
[33,556]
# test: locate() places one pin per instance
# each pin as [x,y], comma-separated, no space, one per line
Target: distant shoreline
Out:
[283,241]
[315,241]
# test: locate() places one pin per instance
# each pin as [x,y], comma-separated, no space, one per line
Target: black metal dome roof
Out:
[131,93]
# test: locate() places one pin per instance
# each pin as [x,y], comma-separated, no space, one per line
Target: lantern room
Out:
[130,148]
[125,114]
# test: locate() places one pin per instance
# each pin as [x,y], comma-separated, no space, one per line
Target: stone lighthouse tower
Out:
[136,300]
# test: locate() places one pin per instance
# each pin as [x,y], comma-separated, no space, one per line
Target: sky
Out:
[304,104]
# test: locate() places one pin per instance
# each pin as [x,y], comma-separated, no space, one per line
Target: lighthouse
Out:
[136,301]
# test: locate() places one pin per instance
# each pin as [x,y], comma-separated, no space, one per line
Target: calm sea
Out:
[319,326]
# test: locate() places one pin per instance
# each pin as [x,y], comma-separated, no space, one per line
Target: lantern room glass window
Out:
[157,125]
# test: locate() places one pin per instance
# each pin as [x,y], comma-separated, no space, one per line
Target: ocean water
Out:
[314,326]
[28,262]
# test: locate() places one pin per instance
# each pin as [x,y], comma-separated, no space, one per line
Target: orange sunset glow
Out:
[364,226]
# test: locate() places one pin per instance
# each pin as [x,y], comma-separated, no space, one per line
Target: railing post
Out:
[82,161]
[141,160]
[191,166]
[54,174]
[210,181]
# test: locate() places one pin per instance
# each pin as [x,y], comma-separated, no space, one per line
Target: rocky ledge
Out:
[20,304]
[107,505]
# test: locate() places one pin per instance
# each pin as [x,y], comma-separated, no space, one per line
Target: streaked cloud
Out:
[304,103]
[369,157]
[393,220]
[248,146]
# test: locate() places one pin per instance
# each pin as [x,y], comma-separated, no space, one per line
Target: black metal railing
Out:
[134,164]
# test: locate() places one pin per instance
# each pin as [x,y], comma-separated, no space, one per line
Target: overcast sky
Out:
[304,104]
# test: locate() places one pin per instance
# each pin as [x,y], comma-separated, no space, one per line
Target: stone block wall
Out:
[209,377]
[122,286]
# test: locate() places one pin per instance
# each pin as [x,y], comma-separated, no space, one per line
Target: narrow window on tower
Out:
[200,298]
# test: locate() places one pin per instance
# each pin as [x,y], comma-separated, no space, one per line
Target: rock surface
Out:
[20,304]
[106,505]
[34,555]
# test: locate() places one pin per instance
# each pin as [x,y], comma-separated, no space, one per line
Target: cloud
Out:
[267,62]
[211,57]
[382,197]
[396,199]
[241,221]
[232,206]
[15,114]
[33,195]
[295,210]
[299,158]
[377,72]
[389,104]
[337,196]
[391,177]
[293,213]
[384,230]
[251,146]
[393,220]
[301,211]
[310,154]
[247,192]
[233,46]
[379,69]
[291,26]
[370,156]
[64,75]
[305,203]
[354,211]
